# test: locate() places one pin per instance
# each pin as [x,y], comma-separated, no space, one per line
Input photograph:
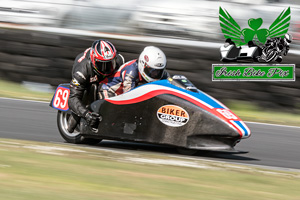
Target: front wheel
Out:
[271,55]
[75,137]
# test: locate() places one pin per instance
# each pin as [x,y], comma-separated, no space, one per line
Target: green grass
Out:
[16,90]
[29,172]
[250,112]
[245,110]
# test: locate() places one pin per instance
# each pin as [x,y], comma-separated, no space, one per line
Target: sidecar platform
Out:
[162,113]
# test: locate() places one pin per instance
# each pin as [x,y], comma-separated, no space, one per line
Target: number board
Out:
[227,114]
[61,97]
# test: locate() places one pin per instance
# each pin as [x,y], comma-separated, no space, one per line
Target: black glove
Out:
[92,118]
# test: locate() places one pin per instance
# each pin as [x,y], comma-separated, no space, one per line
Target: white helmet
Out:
[152,63]
[288,39]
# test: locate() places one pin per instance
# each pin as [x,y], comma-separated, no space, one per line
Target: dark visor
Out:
[153,73]
[105,67]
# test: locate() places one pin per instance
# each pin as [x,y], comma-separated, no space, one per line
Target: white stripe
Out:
[246,127]
[81,75]
[243,132]
[261,123]
[123,75]
[238,163]
[123,59]
[33,101]
[140,91]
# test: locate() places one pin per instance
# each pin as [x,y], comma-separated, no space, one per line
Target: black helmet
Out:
[103,57]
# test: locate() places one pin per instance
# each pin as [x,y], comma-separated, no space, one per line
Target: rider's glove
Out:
[92,118]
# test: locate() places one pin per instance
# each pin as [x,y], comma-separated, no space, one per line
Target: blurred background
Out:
[39,40]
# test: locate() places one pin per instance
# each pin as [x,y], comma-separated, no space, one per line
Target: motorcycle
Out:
[169,112]
[230,52]
[274,52]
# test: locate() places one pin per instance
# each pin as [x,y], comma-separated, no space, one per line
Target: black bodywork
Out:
[139,122]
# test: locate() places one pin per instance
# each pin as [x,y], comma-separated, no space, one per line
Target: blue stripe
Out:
[199,95]
[243,127]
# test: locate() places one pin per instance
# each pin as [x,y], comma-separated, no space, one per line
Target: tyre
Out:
[271,56]
[185,151]
[75,137]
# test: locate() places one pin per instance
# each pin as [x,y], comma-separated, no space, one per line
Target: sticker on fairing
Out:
[61,97]
[172,115]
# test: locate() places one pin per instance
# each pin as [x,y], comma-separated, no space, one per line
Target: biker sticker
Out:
[172,115]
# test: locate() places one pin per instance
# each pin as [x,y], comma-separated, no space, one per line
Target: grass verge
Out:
[250,112]
[34,171]
[245,110]
[16,90]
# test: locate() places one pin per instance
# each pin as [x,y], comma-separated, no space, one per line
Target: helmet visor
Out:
[153,73]
[105,67]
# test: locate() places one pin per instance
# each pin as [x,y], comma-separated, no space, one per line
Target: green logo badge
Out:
[233,31]
[253,72]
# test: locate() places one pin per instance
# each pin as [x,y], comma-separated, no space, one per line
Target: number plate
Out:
[61,97]
[227,114]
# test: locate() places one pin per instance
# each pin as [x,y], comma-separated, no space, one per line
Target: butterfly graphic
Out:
[232,30]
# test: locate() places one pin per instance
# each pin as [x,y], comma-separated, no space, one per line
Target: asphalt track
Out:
[269,145]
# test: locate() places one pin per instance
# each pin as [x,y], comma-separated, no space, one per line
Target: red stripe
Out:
[104,80]
[107,45]
[119,90]
[102,48]
[117,74]
[97,53]
[156,93]
[163,91]
[239,131]
[84,55]
[126,64]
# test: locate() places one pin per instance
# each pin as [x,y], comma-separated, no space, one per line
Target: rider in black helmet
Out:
[90,67]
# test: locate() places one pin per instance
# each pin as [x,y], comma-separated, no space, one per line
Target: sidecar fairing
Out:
[251,53]
[163,112]
[230,52]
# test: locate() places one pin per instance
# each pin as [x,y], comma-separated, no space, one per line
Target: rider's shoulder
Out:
[82,68]
[130,65]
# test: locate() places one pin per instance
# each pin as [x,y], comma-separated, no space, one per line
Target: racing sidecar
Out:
[230,52]
[170,112]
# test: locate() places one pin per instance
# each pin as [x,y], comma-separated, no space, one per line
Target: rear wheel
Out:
[75,137]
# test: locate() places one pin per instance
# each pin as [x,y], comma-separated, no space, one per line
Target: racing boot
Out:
[72,122]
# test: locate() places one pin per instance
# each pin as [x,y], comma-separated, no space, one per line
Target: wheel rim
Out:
[63,119]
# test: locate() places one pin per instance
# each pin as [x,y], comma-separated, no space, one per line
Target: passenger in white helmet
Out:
[148,68]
